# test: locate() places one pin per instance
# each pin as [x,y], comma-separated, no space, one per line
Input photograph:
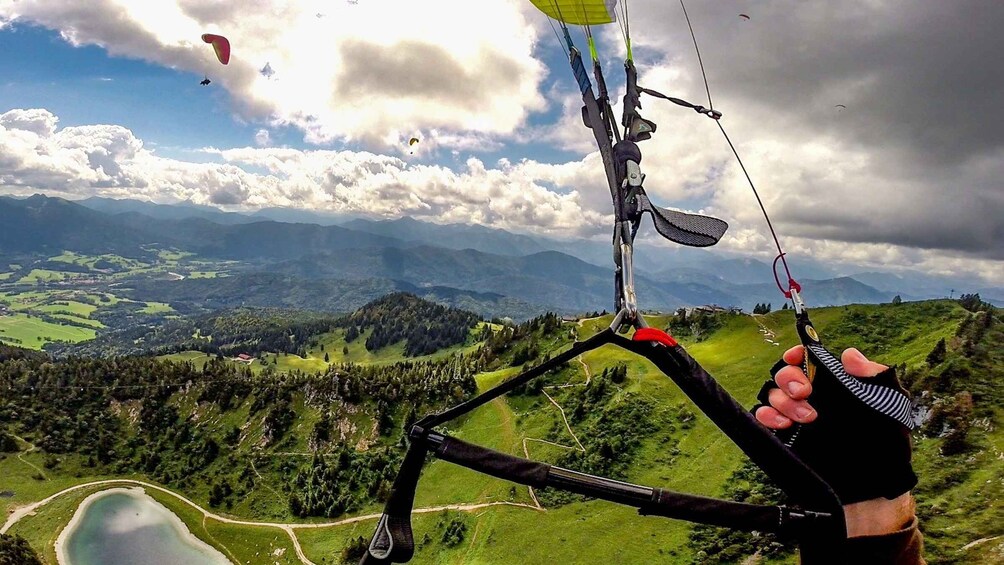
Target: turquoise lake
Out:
[132,528]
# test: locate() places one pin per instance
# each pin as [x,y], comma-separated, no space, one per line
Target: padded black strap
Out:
[393,541]
[600,339]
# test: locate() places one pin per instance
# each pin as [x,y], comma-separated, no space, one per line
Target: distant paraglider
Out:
[411,143]
[841,106]
[267,71]
[744,16]
[221,45]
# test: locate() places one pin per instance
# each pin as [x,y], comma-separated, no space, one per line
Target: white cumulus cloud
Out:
[374,72]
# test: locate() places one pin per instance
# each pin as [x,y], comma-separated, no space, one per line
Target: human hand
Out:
[788,404]
[847,432]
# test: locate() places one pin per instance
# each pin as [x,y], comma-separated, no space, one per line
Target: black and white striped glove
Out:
[859,442]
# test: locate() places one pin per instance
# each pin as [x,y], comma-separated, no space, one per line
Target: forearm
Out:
[902,547]
[880,531]
[879,516]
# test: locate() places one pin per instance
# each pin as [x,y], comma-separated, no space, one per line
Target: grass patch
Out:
[78,309]
[173,254]
[47,275]
[203,274]
[33,333]
[156,308]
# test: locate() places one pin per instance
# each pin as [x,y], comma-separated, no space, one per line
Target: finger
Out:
[797,410]
[855,363]
[793,382]
[794,356]
[772,418]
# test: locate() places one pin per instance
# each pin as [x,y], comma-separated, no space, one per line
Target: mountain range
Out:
[475,265]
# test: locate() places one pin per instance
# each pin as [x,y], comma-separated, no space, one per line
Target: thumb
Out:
[856,364]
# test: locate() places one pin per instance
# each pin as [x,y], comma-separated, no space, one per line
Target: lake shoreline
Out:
[185,534]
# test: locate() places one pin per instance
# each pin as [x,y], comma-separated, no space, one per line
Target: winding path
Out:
[290,529]
[568,427]
[31,447]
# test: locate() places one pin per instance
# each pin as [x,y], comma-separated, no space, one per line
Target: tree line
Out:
[425,327]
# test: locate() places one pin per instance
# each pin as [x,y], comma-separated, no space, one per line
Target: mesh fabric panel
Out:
[693,230]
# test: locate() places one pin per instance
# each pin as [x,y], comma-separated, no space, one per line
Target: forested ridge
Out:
[140,415]
[228,332]
[425,327]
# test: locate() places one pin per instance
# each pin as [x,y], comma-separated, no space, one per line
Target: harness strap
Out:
[602,338]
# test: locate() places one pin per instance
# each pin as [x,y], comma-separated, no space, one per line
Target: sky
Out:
[102,98]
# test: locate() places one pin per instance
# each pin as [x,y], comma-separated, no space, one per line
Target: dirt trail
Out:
[31,447]
[578,445]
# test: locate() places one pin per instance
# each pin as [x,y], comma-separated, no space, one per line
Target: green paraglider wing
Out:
[579,12]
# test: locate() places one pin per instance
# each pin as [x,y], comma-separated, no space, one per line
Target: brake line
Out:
[792,284]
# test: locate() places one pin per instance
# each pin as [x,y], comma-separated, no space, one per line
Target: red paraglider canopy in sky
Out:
[220,44]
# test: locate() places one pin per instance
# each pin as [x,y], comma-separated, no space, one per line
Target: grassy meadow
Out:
[694,458]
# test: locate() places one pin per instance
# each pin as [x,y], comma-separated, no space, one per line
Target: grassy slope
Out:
[739,358]
[595,532]
[33,333]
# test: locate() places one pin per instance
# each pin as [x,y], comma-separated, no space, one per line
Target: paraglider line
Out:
[780,253]
[711,104]
[556,35]
[760,202]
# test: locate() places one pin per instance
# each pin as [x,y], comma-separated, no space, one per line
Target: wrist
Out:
[879,516]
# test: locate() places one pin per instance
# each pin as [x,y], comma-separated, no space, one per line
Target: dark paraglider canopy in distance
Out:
[744,16]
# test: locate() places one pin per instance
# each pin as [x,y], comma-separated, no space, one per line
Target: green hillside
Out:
[271,445]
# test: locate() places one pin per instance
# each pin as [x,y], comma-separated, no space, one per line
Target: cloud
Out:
[426,69]
[109,160]
[912,170]
[564,200]
[39,122]
[262,138]
[910,173]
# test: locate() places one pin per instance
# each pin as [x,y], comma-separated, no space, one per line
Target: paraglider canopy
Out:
[580,12]
[411,143]
[744,16]
[220,44]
